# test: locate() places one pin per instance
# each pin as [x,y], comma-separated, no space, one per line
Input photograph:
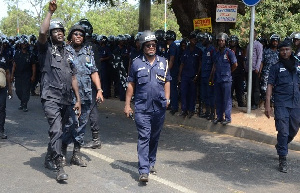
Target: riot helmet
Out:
[170,35]
[56,24]
[76,27]
[222,36]
[160,35]
[87,27]
[147,36]
[275,37]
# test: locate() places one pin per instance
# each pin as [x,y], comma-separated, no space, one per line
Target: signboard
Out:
[251,2]
[203,24]
[226,13]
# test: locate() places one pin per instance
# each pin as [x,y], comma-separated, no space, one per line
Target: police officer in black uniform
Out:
[94,115]
[57,80]
[149,80]
[283,83]
[4,85]
[23,70]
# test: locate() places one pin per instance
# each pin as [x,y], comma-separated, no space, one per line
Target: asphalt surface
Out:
[190,159]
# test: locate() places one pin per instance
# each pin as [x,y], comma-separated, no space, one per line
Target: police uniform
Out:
[3,95]
[150,106]
[222,83]
[270,57]
[207,90]
[22,74]
[286,104]
[174,51]
[56,86]
[84,63]
[105,52]
[190,62]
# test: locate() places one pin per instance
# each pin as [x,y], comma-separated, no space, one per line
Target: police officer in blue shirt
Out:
[82,57]
[172,55]
[188,75]
[5,86]
[206,65]
[225,63]
[149,80]
[57,80]
[283,83]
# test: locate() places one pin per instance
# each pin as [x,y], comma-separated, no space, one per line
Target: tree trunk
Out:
[185,11]
[144,15]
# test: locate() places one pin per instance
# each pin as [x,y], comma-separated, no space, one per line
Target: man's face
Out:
[297,42]
[274,43]
[150,48]
[221,43]
[232,43]
[77,37]
[57,35]
[193,41]
[285,52]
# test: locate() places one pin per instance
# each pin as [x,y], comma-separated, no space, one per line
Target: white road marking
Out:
[133,169]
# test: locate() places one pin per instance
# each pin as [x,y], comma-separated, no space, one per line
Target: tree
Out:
[27,23]
[281,18]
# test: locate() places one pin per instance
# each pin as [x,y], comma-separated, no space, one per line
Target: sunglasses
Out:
[150,45]
[78,34]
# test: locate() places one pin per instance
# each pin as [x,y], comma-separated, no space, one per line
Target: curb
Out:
[199,123]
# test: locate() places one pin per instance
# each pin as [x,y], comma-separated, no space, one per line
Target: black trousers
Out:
[3,95]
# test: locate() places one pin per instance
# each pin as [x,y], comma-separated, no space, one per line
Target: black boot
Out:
[76,158]
[207,113]
[200,110]
[64,153]
[282,164]
[61,174]
[212,114]
[95,143]
[49,162]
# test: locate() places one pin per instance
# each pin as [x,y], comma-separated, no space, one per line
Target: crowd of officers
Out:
[203,68]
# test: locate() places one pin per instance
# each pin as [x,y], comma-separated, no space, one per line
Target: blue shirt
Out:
[285,85]
[207,56]
[149,83]
[104,52]
[173,51]
[223,62]
[190,59]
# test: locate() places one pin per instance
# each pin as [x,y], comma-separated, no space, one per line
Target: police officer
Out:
[4,86]
[149,79]
[188,75]
[270,57]
[57,80]
[161,43]
[105,57]
[238,76]
[94,114]
[34,52]
[172,56]
[23,70]
[82,58]
[207,89]
[135,51]
[296,41]
[225,63]
[283,83]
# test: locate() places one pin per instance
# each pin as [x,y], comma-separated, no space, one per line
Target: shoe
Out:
[25,109]
[20,107]
[225,122]
[49,163]
[61,174]
[94,144]
[76,160]
[153,170]
[172,112]
[183,114]
[211,116]
[254,107]
[3,136]
[191,114]
[216,121]
[282,164]
[143,178]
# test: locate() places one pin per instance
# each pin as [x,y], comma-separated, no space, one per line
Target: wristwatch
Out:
[100,89]
[168,100]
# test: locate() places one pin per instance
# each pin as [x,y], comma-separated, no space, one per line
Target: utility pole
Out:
[18,29]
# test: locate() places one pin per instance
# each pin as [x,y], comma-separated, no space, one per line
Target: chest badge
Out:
[208,54]
[161,66]
[88,60]
[225,57]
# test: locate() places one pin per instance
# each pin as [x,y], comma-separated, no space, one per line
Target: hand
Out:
[268,111]
[12,79]
[127,110]
[77,107]
[52,6]
[99,97]
[9,92]
[32,79]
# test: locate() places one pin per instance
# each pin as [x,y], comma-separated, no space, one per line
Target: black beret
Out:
[285,43]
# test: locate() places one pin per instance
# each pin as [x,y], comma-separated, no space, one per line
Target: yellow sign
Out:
[203,24]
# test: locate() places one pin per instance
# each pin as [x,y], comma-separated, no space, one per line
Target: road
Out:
[189,160]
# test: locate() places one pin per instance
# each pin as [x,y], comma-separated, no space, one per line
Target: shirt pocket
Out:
[143,77]
[283,77]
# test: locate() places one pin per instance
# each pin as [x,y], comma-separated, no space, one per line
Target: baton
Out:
[131,116]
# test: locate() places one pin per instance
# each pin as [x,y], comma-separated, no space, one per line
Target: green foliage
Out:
[27,24]
[281,17]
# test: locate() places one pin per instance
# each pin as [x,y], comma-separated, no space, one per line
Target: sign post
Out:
[251,3]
